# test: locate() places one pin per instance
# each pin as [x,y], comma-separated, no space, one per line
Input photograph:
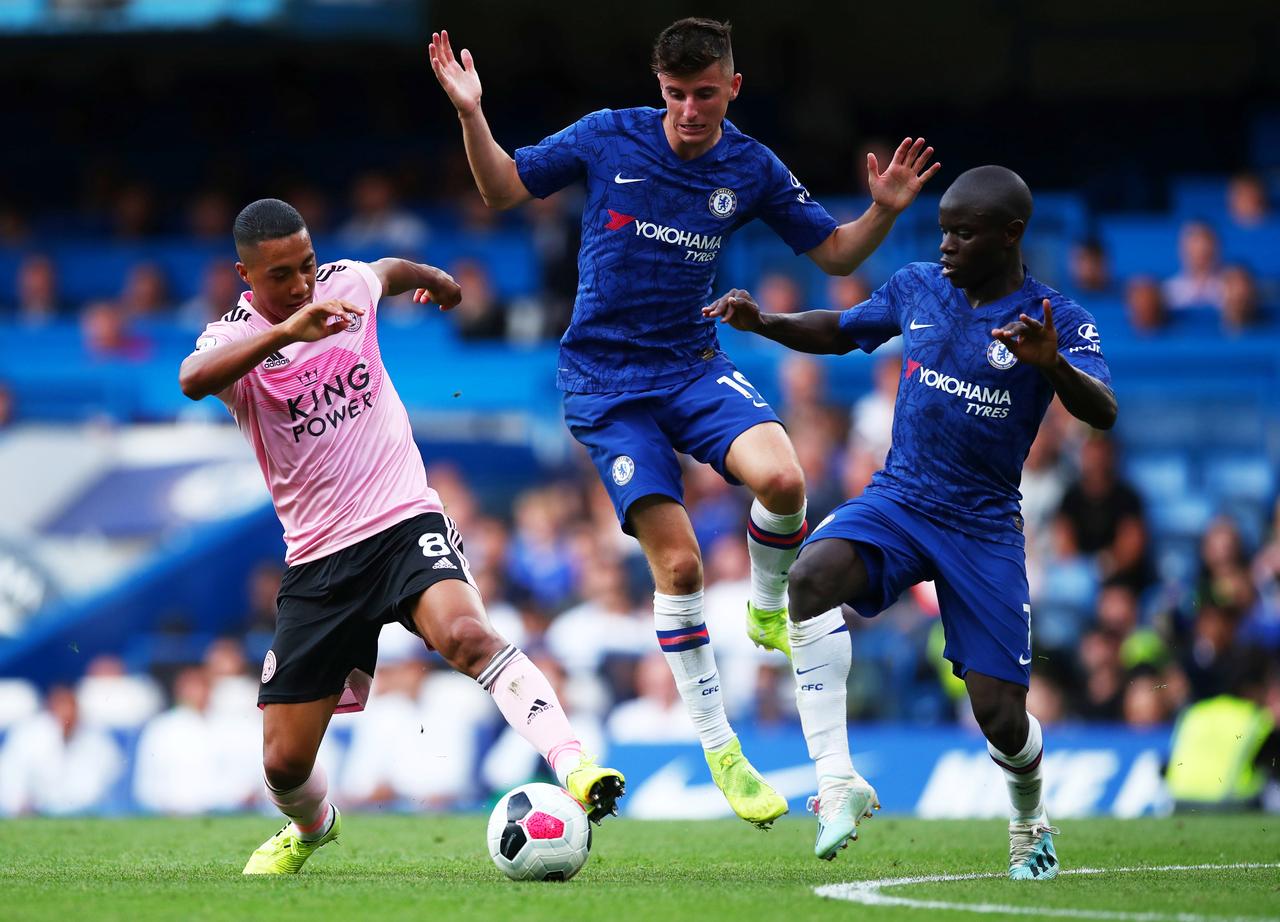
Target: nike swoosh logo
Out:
[707,679]
[810,669]
[759,403]
[919,326]
[1023,662]
[620,181]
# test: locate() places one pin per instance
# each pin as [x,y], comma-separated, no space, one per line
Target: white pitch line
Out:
[867,892]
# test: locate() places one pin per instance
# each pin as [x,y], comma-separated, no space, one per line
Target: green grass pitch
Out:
[436,867]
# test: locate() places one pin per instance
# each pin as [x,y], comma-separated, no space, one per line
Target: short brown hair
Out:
[691,45]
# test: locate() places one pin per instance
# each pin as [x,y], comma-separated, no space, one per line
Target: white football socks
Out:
[773,541]
[821,656]
[683,637]
[1023,776]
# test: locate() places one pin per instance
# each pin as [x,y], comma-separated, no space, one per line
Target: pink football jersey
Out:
[331,434]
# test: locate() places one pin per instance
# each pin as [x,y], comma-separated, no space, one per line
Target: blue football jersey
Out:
[967,409]
[653,229]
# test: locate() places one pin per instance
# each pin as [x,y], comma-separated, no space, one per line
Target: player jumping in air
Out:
[297,364]
[985,348]
[641,370]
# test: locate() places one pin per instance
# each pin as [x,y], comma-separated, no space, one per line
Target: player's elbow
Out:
[189,382]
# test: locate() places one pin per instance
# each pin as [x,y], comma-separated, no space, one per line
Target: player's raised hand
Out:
[736,309]
[1031,340]
[441,288]
[459,80]
[903,177]
[320,319]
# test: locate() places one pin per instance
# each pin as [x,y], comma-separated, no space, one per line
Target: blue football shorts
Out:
[633,437]
[982,585]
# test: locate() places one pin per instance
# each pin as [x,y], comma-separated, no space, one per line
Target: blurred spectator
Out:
[728,582]
[1045,698]
[480,315]
[606,622]
[1224,579]
[539,562]
[1144,306]
[844,291]
[1226,748]
[1199,283]
[1145,702]
[19,700]
[1207,659]
[220,290]
[1106,517]
[38,299]
[1118,610]
[7,405]
[146,291]
[104,330]
[134,212]
[1044,481]
[656,714]
[190,761]
[1247,204]
[872,418]
[313,204]
[557,234]
[1102,691]
[803,384]
[111,696]
[716,509]
[1090,269]
[210,215]
[404,750]
[378,219]
[1064,589]
[234,690]
[778,293]
[1239,299]
[54,763]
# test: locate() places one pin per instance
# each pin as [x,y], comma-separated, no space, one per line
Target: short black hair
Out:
[993,188]
[265,219]
[690,45]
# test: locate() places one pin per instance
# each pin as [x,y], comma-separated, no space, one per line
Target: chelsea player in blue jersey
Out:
[640,367]
[985,349]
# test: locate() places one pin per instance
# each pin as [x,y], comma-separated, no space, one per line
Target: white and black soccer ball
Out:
[539,832]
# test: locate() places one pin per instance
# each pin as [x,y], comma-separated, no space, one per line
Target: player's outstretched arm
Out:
[212,371]
[427,282]
[1036,343]
[816,332]
[496,175]
[891,192]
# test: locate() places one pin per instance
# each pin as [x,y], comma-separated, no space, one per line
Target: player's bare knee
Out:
[284,767]
[1003,721]
[468,644]
[805,592]
[783,489]
[678,572]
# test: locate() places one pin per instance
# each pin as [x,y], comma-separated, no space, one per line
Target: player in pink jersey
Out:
[297,364]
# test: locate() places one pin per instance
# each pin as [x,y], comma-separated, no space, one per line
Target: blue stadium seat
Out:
[1203,197]
[1160,476]
[1240,477]
[175,13]
[20,14]
[1140,244]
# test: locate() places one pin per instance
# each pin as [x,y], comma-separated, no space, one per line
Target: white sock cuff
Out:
[806,632]
[678,605]
[1030,751]
[776,522]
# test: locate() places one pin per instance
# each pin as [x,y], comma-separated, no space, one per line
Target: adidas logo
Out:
[275,360]
[444,563]
[536,708]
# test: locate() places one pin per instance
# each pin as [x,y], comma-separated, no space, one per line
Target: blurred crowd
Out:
[1232,297]
[1113,641]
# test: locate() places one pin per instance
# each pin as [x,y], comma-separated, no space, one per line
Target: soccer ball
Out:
[539,832]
